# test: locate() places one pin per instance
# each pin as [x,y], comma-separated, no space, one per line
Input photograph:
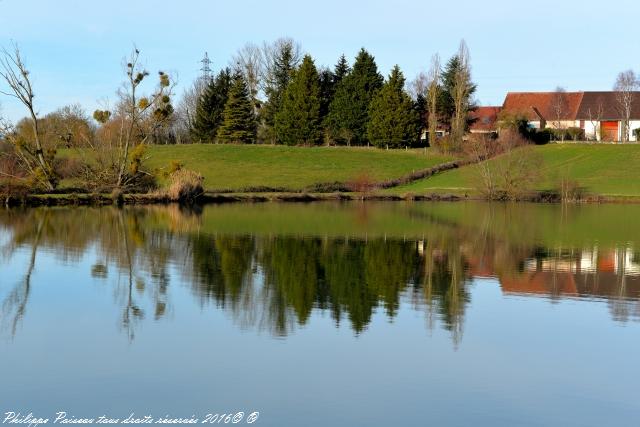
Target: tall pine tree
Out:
[282,60]
[210,107]
[329,80]
[393,119]
[327,90]
[298,121]
[341,69]
[349,110]
[239,122]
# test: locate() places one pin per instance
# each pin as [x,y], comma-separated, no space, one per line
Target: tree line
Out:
[276,95]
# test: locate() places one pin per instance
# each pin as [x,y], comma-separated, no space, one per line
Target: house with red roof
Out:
[484,120]
[598,114]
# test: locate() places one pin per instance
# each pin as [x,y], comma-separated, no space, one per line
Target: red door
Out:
[609,131]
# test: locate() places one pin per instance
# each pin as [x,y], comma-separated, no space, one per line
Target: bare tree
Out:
[559,107]
[518,167]
[625,86]
[479,150]
[33,156]
[186,109]
[419,85]
[433,93]
[249,61]
[460,95]
[595,117]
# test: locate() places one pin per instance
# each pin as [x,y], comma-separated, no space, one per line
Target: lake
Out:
[321,314]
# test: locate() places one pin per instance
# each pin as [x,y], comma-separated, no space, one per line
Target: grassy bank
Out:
[238,167]
[608,170]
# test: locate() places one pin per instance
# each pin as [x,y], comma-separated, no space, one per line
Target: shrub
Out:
[570,190]
[540,136]
[575,133]
[636,134]
[70,167]
[13,189]
[328,187]
[117,196]
[174,166]
[185,186]
[362,183]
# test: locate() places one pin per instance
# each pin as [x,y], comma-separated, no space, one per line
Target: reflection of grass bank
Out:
[607,170]
[519,223]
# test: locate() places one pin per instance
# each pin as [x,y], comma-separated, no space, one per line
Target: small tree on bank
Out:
[393,120]
[37,161]
[238,122]
[298,121]
[137,118]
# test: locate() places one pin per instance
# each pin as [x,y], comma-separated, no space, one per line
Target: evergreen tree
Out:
[283,58]
[327,89]
[349,110]
[329,81]
[422,110]
[238,123]
[210,107]
[393,118]
[341,70]
[298,120]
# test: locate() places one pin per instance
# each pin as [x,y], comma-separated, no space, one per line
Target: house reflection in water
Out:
[593,273]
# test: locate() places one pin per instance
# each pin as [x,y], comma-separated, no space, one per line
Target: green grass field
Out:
[233,167]
[610,170]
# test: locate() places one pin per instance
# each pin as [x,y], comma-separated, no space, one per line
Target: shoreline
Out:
[99,199]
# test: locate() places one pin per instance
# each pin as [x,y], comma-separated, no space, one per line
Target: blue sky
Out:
[75,48]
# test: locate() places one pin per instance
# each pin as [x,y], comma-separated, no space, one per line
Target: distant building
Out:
[598,114]
[484,120]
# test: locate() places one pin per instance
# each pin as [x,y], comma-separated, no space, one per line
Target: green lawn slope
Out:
[609,170]
[237,167]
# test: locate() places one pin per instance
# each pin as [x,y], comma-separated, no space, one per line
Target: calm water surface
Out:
[325,314]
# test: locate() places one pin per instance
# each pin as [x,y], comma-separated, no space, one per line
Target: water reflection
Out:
[270,268]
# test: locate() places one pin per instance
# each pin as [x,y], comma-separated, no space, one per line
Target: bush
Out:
[185,186]
[70,167]
[576,134]
[570,190]
[328,187]
[13,189]
[540,136]
[363,183]
[636,134]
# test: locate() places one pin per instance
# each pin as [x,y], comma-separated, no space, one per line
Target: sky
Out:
[74,49]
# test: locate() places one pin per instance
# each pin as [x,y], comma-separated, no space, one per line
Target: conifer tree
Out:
[298,121]
[329,80]
[238,120]
[393,118]
[327,89]
[210,107]
[282,58]
[341,69]
[349,110]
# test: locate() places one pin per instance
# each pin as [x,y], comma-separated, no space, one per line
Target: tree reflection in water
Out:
[275,281]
